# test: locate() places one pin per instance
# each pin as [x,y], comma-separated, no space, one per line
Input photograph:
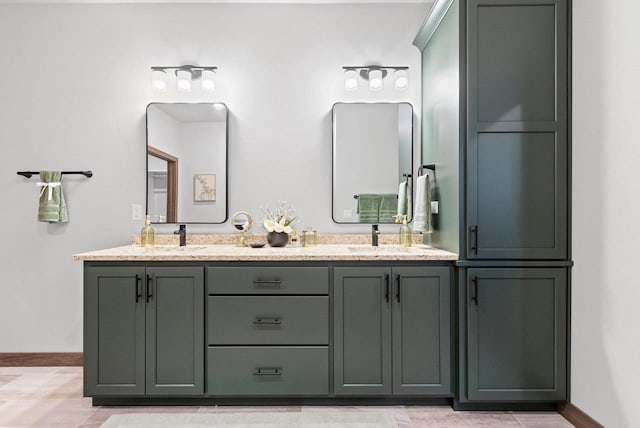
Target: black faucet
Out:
[182,231]
[374,235]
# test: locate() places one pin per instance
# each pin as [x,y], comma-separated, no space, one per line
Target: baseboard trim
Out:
[577,417]
[40,359]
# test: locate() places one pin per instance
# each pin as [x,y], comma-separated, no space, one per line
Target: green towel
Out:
[51,207]
[388,207]
[368,208]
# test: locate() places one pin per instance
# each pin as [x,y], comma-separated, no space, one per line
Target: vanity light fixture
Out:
[375,79]
[183,80]
[350,79]
[185,75]
[375,75]
[401,79]
[159,80]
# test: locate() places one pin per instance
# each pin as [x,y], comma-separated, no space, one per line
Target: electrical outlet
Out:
[347,213]
[136,212]
[434,207]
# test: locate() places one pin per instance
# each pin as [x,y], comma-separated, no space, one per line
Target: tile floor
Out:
[52,397]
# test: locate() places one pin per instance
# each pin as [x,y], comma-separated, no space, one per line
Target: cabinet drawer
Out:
[268,320]
[268,280]
[280,371]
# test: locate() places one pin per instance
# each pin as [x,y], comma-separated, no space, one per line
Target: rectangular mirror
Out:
[187,162]
[372,162]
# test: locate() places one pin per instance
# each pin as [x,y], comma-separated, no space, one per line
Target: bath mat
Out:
[253,420]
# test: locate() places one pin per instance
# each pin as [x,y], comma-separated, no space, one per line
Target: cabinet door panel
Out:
[517,149]
[421,331]
[362,331]
[113,332]
[175,331]
[516,322]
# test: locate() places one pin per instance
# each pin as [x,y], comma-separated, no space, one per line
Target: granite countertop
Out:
[200,252]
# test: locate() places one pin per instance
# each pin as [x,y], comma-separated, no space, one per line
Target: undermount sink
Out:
[381,248]
[176,248]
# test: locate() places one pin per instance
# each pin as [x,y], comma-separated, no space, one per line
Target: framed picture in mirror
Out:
[204,188]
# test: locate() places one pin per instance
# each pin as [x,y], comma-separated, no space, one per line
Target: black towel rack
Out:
[431,166]
[28,174]
[358,196]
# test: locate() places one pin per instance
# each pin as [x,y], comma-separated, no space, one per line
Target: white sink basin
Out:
[176,248]
[379,249]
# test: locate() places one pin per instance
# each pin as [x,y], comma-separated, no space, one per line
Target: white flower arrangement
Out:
[280,220]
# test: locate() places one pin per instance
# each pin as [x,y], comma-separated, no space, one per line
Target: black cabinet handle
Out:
[474,296]
[474,231]
[275,283]
[267,371]
[398,293]
[138,294]
[149,287]
[267,321]
[386,288]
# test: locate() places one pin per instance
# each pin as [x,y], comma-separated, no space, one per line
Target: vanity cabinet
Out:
[392,331]
[144,331]
[516,334]
[268,331]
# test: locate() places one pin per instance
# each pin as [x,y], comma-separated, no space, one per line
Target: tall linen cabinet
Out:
[496,122]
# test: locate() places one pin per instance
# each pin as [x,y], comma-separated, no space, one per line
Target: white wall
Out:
[74,85]
[605,354]
[203,151]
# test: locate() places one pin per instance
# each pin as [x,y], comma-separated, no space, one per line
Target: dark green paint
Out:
[303,371]
[362,331]
[382,346]
[175,332]
[144,348]
[517,151]
[267,280]
[421,331]
[268,320]
[114,331]
[516,334]
[440,123]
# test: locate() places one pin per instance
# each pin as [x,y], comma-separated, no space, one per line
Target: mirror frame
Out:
[226,160]
[333,153]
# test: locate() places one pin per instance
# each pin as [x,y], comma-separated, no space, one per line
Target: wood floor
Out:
[52,397]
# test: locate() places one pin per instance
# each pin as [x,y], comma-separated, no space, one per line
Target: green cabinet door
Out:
[362,331]
[175,331]
[114,331]
[516,334]
[517,145]
[421,317]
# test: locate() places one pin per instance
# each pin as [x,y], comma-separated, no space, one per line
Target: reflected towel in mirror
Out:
[368,208]
[388,207]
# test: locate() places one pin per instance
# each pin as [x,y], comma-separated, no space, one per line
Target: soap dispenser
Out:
[147,235]
[405,233]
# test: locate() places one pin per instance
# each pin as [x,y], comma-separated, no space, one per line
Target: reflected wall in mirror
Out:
[187,158]
[372,162]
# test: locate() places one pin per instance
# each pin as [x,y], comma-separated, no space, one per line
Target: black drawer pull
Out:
[275,283]
[149,287]
[474,231]
[267,321]
[474,297]
[386,288]
[398,293]
[268,371]
[138,293]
